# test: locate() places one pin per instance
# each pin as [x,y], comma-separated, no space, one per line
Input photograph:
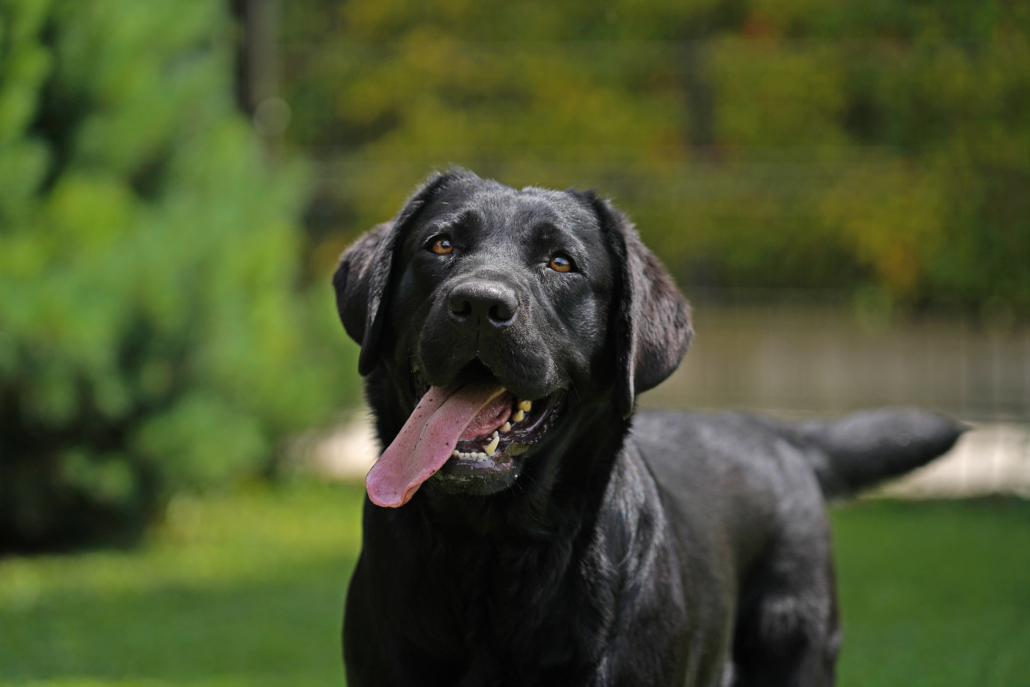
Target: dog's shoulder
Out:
[730,462]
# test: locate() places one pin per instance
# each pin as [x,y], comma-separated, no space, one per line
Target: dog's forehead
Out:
[511,212]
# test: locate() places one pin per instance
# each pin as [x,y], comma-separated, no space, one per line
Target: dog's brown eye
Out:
[442,246]
[561,263]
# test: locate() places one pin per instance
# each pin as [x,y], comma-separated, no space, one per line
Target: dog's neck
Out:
[570,531]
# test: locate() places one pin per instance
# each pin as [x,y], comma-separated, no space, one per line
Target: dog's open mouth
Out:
[508,428]
[469,430]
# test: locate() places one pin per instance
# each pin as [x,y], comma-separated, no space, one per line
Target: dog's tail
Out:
[864,448]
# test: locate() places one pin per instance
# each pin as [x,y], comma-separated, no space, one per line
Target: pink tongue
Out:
[426,440]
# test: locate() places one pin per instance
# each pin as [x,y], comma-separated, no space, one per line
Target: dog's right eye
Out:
[442,246]
[561,263]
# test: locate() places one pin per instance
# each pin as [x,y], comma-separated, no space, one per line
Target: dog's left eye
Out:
[442,246]
[561,263]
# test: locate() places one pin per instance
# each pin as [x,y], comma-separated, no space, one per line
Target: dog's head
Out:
[494,319]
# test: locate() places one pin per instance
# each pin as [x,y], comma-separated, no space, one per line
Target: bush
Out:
[152,334]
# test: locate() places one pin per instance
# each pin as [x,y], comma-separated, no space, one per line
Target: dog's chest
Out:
[520,610]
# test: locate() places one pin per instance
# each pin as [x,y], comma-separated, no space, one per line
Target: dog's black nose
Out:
[495,302]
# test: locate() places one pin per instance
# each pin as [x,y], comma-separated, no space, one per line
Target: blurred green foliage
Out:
[152,333]
[881,147]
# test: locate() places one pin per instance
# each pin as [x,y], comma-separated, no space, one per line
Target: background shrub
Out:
[153,335]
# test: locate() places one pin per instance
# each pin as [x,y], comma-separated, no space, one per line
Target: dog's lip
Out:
[470,458]
[421,381]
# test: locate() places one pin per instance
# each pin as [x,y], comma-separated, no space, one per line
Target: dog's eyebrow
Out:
[450,220]
[567,239]
[562,226]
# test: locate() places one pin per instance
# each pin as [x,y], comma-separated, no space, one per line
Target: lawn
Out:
[934,594]
[247,589]
[244,589]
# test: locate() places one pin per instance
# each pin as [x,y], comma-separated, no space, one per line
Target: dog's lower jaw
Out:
[561,481]
[490,473]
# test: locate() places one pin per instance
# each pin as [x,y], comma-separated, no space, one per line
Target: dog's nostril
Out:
[500,312]
[460,307]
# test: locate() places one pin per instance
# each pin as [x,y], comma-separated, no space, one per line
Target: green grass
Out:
[247,589]
[242,590]
[934,594]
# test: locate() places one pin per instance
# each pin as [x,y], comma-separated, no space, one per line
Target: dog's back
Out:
[752,455]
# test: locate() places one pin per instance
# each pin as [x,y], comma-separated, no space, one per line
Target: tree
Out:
[152,335]
[763,143]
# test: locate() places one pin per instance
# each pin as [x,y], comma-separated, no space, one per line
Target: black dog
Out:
[522,528]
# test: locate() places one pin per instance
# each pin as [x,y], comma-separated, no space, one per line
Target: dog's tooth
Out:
[492,446]
[482,456]
[519,416]
[525,405]
[506,427]
[456,453]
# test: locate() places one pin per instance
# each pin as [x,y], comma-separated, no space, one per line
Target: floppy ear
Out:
[651,317]
[362,279]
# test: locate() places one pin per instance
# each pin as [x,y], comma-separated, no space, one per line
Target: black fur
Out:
[685,549]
